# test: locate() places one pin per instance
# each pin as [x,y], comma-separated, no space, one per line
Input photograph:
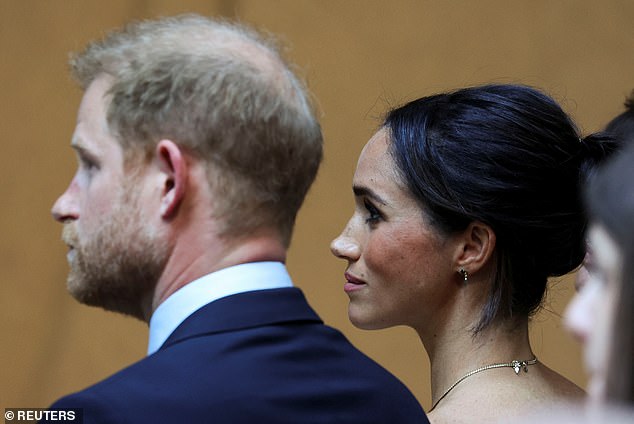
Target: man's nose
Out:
[65,207]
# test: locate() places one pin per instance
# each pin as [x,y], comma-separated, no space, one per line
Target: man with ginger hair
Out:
[196,145]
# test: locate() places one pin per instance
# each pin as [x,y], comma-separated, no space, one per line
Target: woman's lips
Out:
[353,283]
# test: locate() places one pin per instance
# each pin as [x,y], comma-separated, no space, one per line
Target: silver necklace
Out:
[515,364]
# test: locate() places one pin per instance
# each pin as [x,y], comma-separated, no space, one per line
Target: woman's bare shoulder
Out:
[506,397]
[556,386]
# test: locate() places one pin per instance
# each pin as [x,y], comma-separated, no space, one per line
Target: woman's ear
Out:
[476,247]
[173,168]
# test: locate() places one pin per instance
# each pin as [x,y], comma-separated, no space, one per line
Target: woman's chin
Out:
[364,320]
[596,388]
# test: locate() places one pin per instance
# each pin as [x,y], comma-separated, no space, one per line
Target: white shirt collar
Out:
[193,296]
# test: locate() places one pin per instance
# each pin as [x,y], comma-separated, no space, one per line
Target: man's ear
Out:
[173,167]
[476,247]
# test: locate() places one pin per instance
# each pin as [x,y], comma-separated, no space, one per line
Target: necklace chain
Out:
[515,364]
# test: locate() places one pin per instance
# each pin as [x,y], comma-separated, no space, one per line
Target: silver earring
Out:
[465,274]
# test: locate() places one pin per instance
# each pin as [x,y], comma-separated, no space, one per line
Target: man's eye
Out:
[88,164]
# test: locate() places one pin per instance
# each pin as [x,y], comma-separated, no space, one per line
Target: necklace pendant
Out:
[515,364]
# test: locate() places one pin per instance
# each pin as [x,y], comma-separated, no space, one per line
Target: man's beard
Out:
[117,266]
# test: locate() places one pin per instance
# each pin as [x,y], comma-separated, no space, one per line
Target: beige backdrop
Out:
[358,56]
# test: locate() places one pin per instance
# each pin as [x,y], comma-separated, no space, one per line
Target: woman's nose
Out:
[578,317]
[345,247]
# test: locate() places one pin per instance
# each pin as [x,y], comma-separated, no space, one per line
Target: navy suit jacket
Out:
[255,357]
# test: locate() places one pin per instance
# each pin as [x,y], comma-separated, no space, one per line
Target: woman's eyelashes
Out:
[596,273]
[374,216]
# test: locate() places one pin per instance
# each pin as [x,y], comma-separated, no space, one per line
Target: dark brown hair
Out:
[610,199]
[510,157]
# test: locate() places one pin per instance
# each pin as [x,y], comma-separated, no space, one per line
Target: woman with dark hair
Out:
[621,128]
[466,202]
[602,313]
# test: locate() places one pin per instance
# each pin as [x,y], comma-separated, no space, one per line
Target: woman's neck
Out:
[456,351]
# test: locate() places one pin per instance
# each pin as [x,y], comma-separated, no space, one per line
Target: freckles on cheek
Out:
[408,260]
[386,258]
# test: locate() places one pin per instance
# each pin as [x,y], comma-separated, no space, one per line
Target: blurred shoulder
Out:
[578,413]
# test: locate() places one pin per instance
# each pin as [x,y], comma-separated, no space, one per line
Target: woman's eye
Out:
[596,273]
[374,215]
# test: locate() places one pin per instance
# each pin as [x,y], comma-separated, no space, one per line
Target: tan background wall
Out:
[358,57]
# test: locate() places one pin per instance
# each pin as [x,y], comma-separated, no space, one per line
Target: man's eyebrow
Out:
[83,152]
[361,191]
[75,143]
[78,146]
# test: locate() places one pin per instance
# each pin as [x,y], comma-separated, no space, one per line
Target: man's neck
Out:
[190,261]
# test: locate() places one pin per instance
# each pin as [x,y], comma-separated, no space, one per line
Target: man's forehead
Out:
[94,143]
[92,130]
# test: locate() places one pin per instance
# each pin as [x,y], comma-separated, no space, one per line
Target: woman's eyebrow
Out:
[360,191]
